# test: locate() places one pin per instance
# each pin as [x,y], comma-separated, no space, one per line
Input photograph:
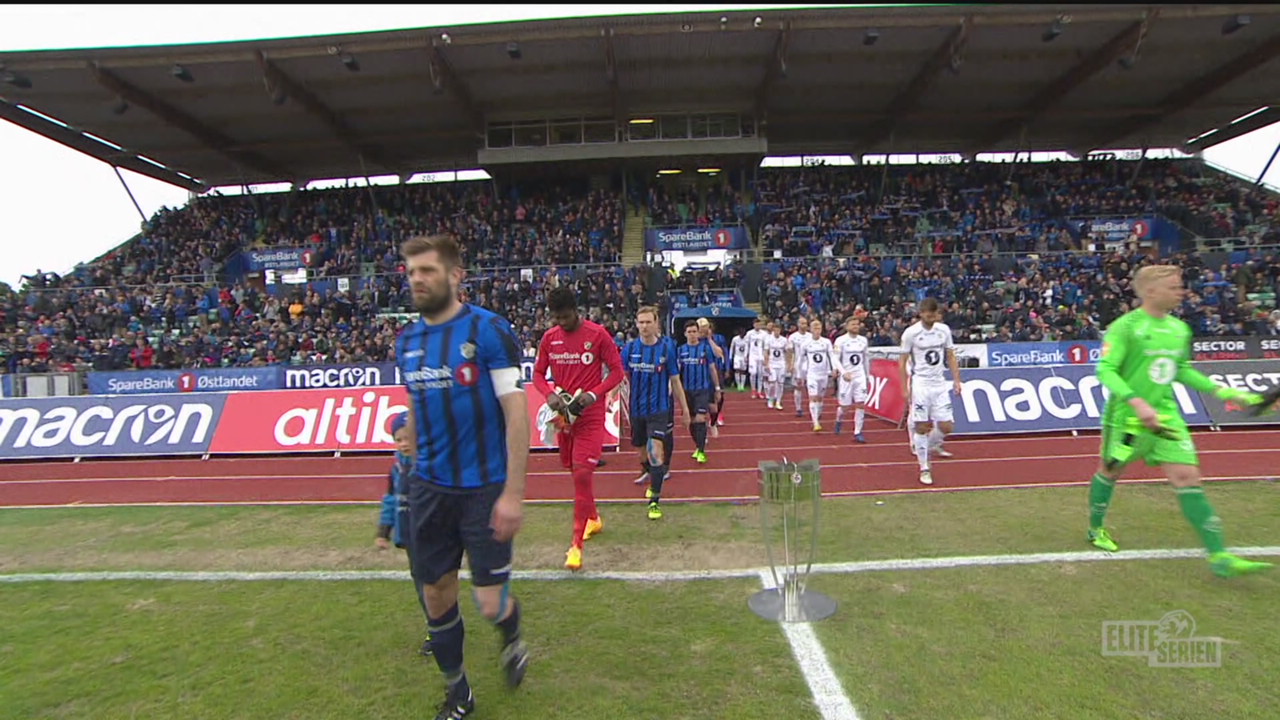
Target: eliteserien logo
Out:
[1169,642]
[103,426]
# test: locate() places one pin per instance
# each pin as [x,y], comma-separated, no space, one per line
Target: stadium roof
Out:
[960,79]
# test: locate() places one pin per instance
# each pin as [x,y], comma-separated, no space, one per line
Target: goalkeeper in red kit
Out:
[585,365]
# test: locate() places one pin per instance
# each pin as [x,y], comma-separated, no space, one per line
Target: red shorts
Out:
[584,443]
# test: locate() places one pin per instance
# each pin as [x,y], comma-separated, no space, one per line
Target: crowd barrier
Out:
[1020,400]
[227,423]
[300,377]
[314,377]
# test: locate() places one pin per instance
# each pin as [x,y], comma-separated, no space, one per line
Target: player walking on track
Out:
[700,377]
[851,364]
[653,371]
[584,364]
[1144,352]
[818,365]
[927,344]
[470,418]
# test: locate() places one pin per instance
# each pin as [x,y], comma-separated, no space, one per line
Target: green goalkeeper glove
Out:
[1240,397]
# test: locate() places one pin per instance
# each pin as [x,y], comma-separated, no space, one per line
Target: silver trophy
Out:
[790,494]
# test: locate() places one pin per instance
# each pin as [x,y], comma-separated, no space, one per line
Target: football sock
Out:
[447,633]
[922,450]
[656,475]
[1198,511]
[510,627]
[935,438]
[1100,489]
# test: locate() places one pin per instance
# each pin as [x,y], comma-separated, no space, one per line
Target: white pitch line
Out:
[641,576]
[627,501]
[618,473]
[828,694]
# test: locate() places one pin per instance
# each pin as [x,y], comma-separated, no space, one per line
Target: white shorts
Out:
[818,385]
[853,391]
[756,364]
[776,374]
[740,363]
[931,403]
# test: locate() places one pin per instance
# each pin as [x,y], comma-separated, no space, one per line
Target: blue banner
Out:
[685,299]
[299,377]
[97,427]
[697,239]
[1116,229]
[142,382]
[1029,354]
[280,258]
[6,385]
[1045,399]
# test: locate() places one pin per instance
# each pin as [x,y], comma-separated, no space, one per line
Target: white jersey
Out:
[776,352]
[738,349]
[928,352]
[795,341]
[755,344]
[818,358]
[851,355]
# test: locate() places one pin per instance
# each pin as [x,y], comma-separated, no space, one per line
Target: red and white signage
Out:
[290,421]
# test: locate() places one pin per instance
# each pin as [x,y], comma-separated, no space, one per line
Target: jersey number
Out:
[777,353]
[855,360]
[819,357]
[932,357]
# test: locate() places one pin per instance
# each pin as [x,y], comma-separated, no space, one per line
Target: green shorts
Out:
[1121,446]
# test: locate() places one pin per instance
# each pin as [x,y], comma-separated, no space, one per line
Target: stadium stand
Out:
[992,241]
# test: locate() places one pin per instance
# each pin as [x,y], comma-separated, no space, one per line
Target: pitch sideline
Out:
[640,576]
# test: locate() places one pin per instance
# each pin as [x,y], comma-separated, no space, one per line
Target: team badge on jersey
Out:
[467,374]
[586,345]
[468,350]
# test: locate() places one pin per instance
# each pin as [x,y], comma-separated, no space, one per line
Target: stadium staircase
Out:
[633,239]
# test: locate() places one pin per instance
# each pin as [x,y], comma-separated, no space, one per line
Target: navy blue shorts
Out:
[444,524]
[652,427]
[700,401]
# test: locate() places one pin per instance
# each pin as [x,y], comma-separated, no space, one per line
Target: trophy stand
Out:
[790,494]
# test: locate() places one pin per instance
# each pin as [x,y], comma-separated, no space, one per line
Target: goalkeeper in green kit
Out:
[1143,353]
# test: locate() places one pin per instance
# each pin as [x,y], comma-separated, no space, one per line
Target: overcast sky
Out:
[59,207]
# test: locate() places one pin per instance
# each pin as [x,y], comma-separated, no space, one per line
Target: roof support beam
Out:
[275,77]
[611,74]
[1054,92]
[179,119]
[1233,130]
[1189,93]
[775,67]
[444,78]
[77,141]
[948,55]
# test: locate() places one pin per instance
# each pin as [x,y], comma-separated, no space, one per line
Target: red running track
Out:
[752,433]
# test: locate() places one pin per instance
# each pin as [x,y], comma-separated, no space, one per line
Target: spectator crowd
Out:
[989,241]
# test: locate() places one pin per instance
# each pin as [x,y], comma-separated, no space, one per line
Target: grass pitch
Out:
[976,642]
